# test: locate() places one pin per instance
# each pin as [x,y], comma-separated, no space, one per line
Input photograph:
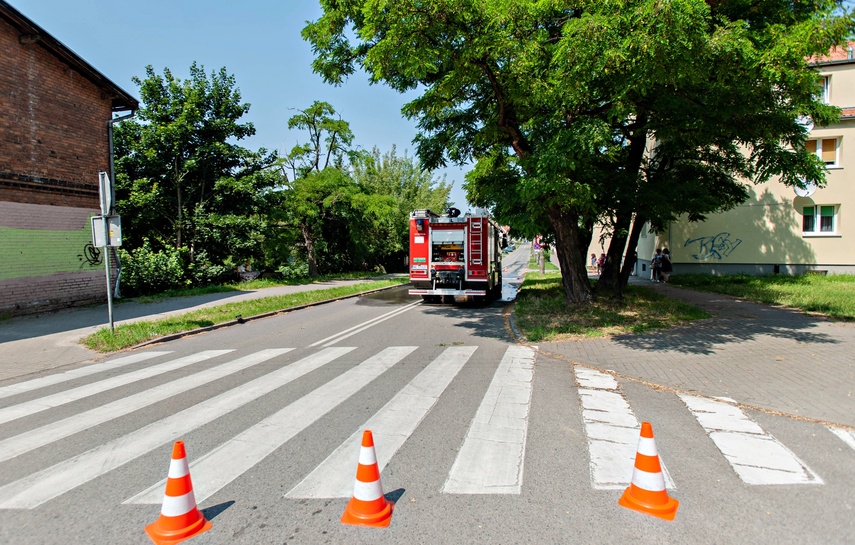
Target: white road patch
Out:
[67,396]
[50,380]
[49,433]
[391,426]
[757,457]
[491,458]
[216,469]
[848,436]
[613,430]
[42,486]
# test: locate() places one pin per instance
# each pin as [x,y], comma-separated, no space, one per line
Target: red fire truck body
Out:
[453,255]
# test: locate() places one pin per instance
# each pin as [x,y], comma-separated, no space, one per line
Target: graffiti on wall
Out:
[91,255]
[715,247]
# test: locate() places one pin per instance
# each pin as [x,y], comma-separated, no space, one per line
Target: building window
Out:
[819,220]
[825,97]
[825,149]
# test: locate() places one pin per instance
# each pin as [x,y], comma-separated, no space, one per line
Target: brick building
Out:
[54,113]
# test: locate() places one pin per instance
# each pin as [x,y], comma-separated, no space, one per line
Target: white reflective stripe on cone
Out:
[367,456]
[175,506]
[367,491]
[654,482]
[178,468]
[647,446]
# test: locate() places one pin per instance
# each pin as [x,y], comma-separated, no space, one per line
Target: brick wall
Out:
[53,121]
[53,143]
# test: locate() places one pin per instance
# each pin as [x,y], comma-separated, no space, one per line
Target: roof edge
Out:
[121,100]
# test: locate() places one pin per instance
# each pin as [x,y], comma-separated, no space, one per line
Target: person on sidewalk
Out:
[656,266]
[666,264]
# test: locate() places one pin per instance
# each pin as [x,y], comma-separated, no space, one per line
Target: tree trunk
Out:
[631,256]
[609,281]
[571,247]
[310,251]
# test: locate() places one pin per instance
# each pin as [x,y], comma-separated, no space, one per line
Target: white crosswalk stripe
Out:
[49,483]
[490,459]
[227,462]
[612,430]
[50,380]
[33,439]
[756,456]
[848,436]
[61,398]
[391,426]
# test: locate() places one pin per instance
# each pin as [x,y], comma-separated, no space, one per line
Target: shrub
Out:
[145,272]
[294,270]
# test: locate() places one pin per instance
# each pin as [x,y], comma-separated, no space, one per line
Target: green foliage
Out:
[182,180]
[145,272]
[558,102]
[294,270]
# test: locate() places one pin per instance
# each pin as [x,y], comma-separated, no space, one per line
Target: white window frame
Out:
[818,150]
[817,230]
[825,95]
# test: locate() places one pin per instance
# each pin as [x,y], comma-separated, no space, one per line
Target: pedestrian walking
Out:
[601,262]
[656,265]
[666,264]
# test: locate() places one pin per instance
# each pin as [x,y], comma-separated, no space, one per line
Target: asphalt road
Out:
[481,440]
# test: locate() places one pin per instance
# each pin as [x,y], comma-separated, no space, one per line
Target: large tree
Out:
[579,112]
[183,180]
[410,187]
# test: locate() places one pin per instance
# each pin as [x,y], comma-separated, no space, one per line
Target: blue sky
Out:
[256,40]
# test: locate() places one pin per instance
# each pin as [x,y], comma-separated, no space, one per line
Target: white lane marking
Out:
[50,380]
[227,462]
[67,396]
[43,486]
[613,430]
[492,456]
[848,436]
[39,437]
[391,426]
[341,335]
[756,456]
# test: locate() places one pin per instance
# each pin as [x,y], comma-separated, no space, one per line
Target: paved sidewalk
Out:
[773,358]
[30,344]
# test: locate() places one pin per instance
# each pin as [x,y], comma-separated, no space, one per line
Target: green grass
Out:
[833,296]
[126,335]
[541,314]
[245,286]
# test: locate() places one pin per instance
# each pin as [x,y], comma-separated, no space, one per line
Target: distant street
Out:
[479,440]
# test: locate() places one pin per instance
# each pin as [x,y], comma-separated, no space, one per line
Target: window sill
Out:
[821,235]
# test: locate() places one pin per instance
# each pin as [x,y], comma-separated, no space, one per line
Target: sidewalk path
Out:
[777,359]
[29,344]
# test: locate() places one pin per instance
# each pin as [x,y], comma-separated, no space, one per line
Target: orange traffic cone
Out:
[180,519]
[368,506]
[647,491]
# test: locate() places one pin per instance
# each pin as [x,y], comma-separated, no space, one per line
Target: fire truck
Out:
[453,255]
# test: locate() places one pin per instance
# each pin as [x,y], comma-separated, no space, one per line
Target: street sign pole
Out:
[106,190]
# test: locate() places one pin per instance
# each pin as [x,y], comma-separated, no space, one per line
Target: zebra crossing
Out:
[490,459]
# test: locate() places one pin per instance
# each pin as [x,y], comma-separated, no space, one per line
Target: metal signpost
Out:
[107,231]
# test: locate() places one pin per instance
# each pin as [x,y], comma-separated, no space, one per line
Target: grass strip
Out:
[542,316]
[131,334]
[833,296]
